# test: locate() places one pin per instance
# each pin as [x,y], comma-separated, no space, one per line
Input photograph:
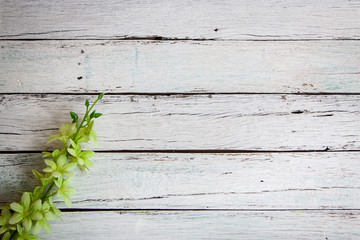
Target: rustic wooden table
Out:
[223,119]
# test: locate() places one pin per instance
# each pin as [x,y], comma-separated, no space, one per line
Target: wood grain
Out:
[190,122]
[243,20]
[179,66]
[201,181]
[208,225]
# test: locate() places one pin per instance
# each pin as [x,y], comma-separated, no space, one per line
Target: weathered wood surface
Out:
[244,20]
[179,66]
[190,122]
[208,225]
[201,181]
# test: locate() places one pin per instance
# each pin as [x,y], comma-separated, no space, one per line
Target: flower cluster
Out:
[25,219]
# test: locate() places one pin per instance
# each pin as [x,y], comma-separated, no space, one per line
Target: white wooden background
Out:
[224,119]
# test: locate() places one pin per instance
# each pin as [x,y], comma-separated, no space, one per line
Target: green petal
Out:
[45,206]
[25,199]
[37,174]
[53,138]
[47,227]
[70,166]
[17,207]
[36,216]
[72,152]
[67,201]
[88,163]
[27,224]
[61,161]
[50,216]
[87,154]
[70,191]
[17,217]
[36,206]
[6,213]
[56,174]
[50,163]
[6,236]
[33,237]
[3,221]
[37,228]
[48,169]
[80,161]
[69,174]
[3,229]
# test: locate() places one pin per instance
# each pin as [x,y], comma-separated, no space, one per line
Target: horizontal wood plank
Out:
[179,66]
[189,122]
[244,20]
[201,181]
[208,225]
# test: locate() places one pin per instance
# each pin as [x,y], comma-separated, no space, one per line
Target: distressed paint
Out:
[208,225]
[323,180]
[190,122]
[180,66]
[187,19]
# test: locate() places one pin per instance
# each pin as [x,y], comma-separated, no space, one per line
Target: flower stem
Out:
[47,191]
[82,122]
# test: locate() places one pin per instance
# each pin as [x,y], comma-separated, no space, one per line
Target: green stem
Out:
[82,122]
[47,191]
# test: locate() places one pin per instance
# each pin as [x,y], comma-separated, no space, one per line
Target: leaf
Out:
[70,166]
[74,116]
[67,201]
[2,221]
[87,102]
[53,138]
[61,161]
[17,217]
[6,236]
[2,230]
[72,152]
[48,169]
[97,115]
[92,114]
[37,228]
[47,227]
[25,199]
[50,216]
[36,216]
[37,174]
[101,96]
[50,163]
[17,207]
[27,223]
[88,162]
[87,154]
[36,206]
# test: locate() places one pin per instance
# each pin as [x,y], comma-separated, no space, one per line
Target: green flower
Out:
[4,220]
[26,211]
[47,215]
[65,190]
[25,235]
[6,236]
[65,132]
[80,157]
[60,167]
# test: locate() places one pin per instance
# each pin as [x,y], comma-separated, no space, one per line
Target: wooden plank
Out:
[179,66]
[208,225]
[190,122]
[244,20]
[201,181]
